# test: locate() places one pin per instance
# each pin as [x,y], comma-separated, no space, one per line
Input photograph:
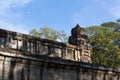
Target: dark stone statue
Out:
[77,36]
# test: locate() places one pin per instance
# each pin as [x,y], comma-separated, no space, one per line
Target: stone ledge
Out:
[53,60]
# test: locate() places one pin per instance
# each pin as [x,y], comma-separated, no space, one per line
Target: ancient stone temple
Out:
[24,57]
[80,40]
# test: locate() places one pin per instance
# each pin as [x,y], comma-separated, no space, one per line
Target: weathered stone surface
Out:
[80,40]
[1,66]
[23,57]
[32,45]
[17,69]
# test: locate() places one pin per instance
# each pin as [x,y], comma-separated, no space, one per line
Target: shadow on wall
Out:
[21,69]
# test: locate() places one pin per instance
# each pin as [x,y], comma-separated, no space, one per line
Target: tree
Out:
[49,33]
[91,31]
[34,32]
[62,36]
[118,20]
[113,25]
[105,51]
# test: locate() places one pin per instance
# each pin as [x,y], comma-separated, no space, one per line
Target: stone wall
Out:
[23,57]
[34,45]
[46,68]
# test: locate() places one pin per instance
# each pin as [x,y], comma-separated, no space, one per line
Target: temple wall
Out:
[16,68]
[38,46]
[31,45]
[23,57]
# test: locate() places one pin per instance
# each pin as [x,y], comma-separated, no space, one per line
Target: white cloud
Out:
[12,27]
[7,12]
[6,6]
[97,11]
[113,6]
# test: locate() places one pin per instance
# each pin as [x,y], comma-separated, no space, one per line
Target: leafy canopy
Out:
[105,51]
[49,33]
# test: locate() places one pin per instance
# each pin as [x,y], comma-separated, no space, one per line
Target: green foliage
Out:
[114,25]
[118,20]
[34,32]
[105,51]
[91,31]
[62,36]
[49,33]
[110,24]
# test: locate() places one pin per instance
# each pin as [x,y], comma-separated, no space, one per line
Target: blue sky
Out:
[24,15]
